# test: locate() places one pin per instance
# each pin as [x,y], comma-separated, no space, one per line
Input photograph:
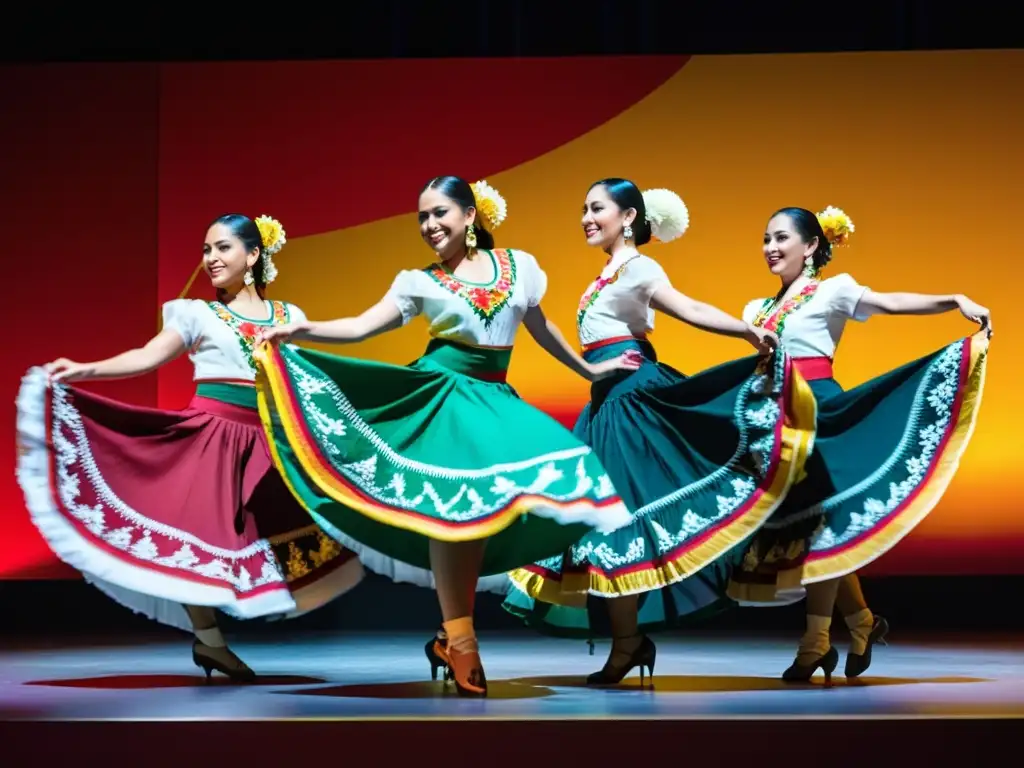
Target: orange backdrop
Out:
[921,149]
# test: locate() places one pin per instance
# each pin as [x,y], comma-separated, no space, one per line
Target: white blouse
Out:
[220,341]
[618,302]
[478,314]
[815,326]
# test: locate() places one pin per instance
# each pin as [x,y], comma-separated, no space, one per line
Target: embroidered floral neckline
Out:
[776,321]
[485,299]
[595,288]
[246,329]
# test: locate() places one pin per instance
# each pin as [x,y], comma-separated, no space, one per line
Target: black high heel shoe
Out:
[234,668]
[643,657]
[857,663]
[438,658]
[802,673]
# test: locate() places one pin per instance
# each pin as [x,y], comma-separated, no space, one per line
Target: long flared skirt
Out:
[164,508]
[387,458]
[703,462]
[884,454]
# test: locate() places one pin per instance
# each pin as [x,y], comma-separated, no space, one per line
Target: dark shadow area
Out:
[32,610]
[153,682]
[943,741]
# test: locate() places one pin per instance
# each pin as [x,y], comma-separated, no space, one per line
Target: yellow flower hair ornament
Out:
[667,214]
[489,204]
[836,225]
[273,237]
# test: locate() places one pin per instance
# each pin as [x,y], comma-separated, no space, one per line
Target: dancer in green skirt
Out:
[437,472]
[701,461]
[884,452]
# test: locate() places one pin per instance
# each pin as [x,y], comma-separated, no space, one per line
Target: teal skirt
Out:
[701,461]
[387,457]
[884,454]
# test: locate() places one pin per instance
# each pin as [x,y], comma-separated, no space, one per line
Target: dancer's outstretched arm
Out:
[708,318]
[160,350]
[382,317]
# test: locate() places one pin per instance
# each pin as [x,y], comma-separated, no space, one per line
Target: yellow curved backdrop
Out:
[923,150]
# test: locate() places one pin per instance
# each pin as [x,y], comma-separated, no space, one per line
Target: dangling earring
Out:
[470,237]
[627,232]
[247,278]
[809,270]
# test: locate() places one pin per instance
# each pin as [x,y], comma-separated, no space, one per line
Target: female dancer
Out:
[439,465]
[175,514]
[884,452]
[701,461]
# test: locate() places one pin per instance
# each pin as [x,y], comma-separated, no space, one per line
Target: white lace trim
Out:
[152,592]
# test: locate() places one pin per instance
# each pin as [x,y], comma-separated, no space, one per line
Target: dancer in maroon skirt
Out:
[178,513]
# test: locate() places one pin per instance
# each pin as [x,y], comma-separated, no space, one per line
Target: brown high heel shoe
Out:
[223,660]
[468,672]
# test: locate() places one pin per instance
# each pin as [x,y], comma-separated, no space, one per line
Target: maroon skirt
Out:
[164,508]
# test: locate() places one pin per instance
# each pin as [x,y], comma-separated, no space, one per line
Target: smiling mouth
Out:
[591,231]
[437,237]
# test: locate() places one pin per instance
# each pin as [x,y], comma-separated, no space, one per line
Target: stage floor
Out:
[386,677]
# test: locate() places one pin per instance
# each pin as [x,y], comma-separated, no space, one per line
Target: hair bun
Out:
[666,213]
[836,225]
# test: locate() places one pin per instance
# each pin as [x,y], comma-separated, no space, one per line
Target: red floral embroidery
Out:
[247,330]
[486,301]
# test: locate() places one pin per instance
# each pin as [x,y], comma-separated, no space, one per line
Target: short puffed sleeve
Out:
[180,315]
[751,310]
[295,314]
[535,279]
[405,294]
[649,275]
[845,295]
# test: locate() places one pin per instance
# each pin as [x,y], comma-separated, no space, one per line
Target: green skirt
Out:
[702,461]
[387,457]
[884,454]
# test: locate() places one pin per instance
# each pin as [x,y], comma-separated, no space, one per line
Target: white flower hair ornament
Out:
[667,214]
[489,203]
[273,237]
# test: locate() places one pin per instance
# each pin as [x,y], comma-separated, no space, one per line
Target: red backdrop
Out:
[79,196]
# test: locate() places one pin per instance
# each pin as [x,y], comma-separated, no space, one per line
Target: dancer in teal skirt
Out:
[884,451]
[702,461]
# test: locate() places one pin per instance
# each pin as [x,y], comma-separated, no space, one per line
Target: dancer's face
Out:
[225,258]
[443,223]
[603,220]
[784,249]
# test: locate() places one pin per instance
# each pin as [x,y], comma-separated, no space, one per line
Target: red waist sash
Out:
[612,340]
[813,368]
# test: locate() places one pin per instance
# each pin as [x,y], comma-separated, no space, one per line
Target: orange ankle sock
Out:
[464,656]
